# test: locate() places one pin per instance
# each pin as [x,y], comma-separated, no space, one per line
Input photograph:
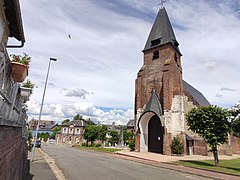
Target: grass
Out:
[100,149]
[228,166]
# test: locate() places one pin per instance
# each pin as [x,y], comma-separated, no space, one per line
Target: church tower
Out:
[159,113]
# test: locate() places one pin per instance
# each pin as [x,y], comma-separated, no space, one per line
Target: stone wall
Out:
[13,153]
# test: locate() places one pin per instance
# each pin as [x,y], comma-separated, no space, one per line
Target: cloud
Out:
[227,89]
[59,112]
[218,95]
[211,65]
[104,53]
[78,92]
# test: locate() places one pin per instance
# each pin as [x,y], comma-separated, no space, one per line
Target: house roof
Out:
[161,32]
[130,123]
[13,15]
[80,123]
[198,96]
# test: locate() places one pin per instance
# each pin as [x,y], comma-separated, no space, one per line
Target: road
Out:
[81,165]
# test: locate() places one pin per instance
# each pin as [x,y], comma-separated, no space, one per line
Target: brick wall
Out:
[13,153]
[235,143]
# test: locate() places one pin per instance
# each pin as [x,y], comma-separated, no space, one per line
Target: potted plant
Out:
[20,66]
[26,89]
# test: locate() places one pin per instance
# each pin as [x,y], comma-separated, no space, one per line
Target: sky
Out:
[96,66]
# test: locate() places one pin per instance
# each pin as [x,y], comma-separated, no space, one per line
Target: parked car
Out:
[38,144]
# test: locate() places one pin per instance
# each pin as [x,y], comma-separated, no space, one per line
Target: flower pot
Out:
[19,71]
[25,93]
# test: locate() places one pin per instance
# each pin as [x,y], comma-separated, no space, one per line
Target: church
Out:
[163,98]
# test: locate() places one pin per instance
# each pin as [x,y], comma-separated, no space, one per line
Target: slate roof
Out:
[79,123]
[130,123]
[154,104]
[161,32]
[198,96]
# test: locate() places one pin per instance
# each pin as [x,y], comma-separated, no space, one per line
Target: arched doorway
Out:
[155,135]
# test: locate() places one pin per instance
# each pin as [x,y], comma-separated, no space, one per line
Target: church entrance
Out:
[155,135]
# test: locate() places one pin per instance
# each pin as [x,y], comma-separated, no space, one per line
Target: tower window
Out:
[155,55]
[155,42]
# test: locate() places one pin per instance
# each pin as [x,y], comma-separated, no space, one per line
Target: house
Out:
[130,125]
[13,132]
[45,126]
[71,132]
[163,98]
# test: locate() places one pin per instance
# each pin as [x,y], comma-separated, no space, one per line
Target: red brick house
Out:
[71,132]
[163,98]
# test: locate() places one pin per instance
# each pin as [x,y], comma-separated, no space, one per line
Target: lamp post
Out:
[40,114]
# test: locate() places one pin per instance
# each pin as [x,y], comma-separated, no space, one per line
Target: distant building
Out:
[130,125]
[45,126]
[71,132]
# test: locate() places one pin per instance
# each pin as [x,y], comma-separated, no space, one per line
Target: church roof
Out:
[198,96]
[154,104]
[161,32]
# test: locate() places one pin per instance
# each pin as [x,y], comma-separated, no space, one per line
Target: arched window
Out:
[155,55]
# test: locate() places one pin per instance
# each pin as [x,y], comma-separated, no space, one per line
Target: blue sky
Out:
[97,66]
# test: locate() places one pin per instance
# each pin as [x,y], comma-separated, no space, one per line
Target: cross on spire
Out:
[162,3]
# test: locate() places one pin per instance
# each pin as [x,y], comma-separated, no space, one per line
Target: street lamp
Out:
[40,114]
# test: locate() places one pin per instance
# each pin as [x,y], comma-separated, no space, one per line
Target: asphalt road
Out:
[82,165]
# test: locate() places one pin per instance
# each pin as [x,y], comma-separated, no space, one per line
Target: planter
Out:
[25,93]
[19,71]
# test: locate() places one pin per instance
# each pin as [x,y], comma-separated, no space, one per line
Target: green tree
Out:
[235,119]
[44,136]
[56,130]
[102,131]
[211,123]
[176,146]
[114,137]
[90,133]
[127,135]
[77,117]
[30,140]
[65,121]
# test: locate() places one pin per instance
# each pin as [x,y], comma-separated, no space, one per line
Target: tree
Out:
[176,146]
[210,122]
[30,140]
[90,133]
[114,137]
[65,121]
[55,131]
[77,117]
[127,135]
[102,131]
[235,119]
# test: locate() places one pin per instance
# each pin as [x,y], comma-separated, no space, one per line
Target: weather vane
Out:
[162,3]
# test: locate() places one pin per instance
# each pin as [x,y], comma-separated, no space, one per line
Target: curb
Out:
[56,171]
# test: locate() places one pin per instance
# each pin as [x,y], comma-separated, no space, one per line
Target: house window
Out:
[64,130]
[155,55]
[77,131]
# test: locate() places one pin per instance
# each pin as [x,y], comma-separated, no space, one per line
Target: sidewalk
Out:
[164,161]
[39,168]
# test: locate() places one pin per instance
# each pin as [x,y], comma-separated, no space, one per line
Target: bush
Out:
[176,146]
[84,144]
[131,145]
[98,145]
[93,144]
